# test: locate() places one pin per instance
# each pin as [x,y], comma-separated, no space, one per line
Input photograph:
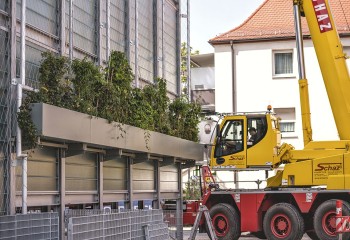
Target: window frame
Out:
[287,115]
[224,133]
[286,122]
[283,75]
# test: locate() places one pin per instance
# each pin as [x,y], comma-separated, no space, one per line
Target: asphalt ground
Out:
[244,236]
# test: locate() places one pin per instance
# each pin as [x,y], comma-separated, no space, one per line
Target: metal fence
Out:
[173,222]
[122,225]
[5,111]
[37,226]
[156,231]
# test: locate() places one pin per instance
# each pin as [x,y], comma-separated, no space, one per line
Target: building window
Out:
[287,122]
[347,52]
[287,126]
[283,63]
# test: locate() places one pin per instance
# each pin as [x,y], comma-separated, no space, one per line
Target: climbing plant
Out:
[184,118]
[107,92]
[183,66]
[87,80]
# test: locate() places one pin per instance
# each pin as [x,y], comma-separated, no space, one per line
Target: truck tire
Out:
[260,235]
[226,221]
[324,220]
[312,235]
[283,221]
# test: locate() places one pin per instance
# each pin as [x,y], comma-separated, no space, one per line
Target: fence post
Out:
[70,229]
[338,221]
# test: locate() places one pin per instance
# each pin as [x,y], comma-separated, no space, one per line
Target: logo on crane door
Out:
[322,15]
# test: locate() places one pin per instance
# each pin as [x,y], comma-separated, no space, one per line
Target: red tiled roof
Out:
[274,20]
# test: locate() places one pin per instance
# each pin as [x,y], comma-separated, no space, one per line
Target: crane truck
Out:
[300,198]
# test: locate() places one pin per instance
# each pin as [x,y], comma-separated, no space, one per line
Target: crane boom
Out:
[332,61]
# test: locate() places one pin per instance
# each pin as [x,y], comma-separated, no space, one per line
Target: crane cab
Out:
[246,141]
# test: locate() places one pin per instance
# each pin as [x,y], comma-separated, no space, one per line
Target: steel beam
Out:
[127,30]
[155,39]
[156,203]
[12,168]
[99,26]
[62,25]
[62,189]
[130,177]
[100,180]
[178,48]
[179,204]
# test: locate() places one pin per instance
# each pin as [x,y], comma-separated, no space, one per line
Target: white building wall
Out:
[223,79]
[203,76]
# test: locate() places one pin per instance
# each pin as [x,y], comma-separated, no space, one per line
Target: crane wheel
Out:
[283,221]
[226,221]
[312,235]
[260,235]
[324,220]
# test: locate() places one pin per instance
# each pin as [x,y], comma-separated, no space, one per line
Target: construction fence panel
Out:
[122,225]
[37,226]
[6,102]
[156,231]
[172,221]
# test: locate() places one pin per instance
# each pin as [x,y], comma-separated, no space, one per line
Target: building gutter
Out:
[234,101]
[234,90]
[247,40]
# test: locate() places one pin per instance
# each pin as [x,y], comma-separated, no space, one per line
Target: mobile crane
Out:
[301,197]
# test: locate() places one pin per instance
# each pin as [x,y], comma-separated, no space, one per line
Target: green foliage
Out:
[87,82]
[119,77]
[184,118]
[192,190]
[156,96]
[25,121]
[55,85]
[108,93]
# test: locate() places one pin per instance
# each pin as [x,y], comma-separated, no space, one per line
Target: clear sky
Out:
[210,18]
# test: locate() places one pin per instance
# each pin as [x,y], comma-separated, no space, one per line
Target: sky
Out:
[209,18]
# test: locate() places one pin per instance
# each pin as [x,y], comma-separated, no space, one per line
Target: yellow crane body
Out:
[320,163]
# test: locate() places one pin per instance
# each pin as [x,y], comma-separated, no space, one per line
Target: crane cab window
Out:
[257,128]
[231,138]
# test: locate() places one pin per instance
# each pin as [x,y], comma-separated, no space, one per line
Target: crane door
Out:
[243,142]
[231,148]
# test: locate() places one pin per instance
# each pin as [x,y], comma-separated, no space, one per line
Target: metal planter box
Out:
[63,125]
